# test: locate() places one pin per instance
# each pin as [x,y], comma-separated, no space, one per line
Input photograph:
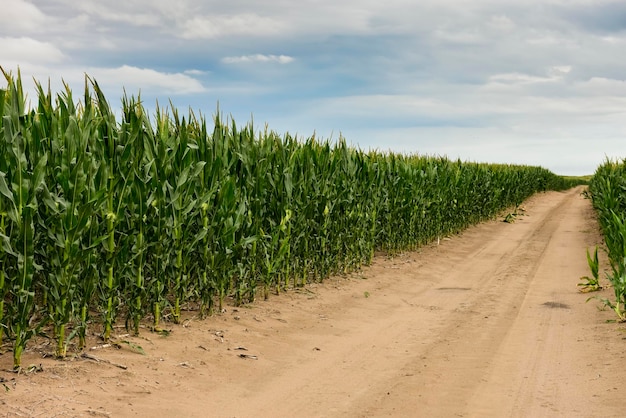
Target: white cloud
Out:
[130,12]
[19,15]
[15,51]
[281,59]
[461,36]
[145,79]
[554,74]
[612,39]
[559,70]
[603,87]
[195,72]
[502,23]
[215,26]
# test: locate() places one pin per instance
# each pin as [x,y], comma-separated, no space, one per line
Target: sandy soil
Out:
[489,323]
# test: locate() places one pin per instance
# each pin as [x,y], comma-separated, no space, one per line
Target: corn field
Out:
[608,193]
[105,220]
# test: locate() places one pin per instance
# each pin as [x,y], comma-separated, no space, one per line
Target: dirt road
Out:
[489,323]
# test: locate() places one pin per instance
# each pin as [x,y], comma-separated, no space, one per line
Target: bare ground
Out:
[489,323]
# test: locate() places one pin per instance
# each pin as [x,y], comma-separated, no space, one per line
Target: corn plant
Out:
[592,284]
[20,185]
[219,242]
[618,281]
[69,205]
[158,155]
[274,249]
[184,208]
[5,243]
[135,130]
[118,173]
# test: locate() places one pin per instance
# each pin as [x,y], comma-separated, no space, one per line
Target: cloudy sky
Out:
[538,82]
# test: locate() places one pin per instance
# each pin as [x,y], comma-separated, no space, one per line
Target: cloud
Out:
[215,26]
[15,51]
[19,15]
[519,78]
[145,79]
[595,16]
[195,72]
[603,87]
[502,23]
[281,59]
[134,13]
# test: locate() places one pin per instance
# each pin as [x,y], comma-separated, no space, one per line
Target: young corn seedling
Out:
[591,284]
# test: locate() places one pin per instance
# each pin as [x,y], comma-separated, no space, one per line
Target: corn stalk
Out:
[20,185]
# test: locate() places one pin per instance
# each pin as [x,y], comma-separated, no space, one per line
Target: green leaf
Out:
[183,177]
[38,176]
[4,188]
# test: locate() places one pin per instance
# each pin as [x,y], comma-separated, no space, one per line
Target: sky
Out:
[520,82]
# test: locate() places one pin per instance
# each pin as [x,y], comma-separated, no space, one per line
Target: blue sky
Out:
[528,82]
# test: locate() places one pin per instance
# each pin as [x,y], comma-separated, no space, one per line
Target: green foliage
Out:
[144,215]
[591,284]
[607,189]
[22,174]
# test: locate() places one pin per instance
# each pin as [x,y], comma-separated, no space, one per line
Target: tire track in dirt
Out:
[498,274]
[538,365]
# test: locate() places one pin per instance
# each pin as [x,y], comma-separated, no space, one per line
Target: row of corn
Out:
[607,189]
[132,218]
